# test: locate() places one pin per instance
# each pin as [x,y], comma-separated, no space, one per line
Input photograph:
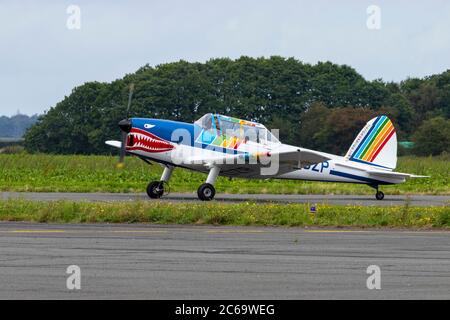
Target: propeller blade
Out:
[130,95]
[123,146]
[125,127]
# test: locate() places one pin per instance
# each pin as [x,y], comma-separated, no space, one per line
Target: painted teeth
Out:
[150,143]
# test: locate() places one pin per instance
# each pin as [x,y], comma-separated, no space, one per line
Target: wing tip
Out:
[418,176]
[114,143]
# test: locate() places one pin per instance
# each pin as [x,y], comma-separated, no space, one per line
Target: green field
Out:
[216,213]
[56,173]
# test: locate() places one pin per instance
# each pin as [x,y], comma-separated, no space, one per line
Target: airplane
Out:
[220,145]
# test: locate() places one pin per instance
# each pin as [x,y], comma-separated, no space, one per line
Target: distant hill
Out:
[15,126]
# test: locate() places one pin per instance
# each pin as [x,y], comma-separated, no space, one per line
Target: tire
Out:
[155,189]
[379,195]
[206,192]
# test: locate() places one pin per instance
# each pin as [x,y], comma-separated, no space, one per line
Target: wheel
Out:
[379,195]
[155,189]
[206,192]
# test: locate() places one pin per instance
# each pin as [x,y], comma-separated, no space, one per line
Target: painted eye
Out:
[148,126]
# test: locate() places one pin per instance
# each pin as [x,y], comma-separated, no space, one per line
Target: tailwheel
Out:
[155,189]
[379,195]
[206,192]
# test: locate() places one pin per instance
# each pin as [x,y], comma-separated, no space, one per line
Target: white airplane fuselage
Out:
[226,146]
[338,169]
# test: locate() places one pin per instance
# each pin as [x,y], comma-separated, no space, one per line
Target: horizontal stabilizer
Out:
[390,174]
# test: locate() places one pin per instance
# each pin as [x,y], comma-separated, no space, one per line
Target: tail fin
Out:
[376,144]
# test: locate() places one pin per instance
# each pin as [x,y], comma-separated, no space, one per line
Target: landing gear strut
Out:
[206,191]
[155,189]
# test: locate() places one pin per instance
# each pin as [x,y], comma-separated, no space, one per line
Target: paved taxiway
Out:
[367,200]
[204,262]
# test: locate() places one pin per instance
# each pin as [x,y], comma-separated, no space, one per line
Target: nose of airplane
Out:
[125,125]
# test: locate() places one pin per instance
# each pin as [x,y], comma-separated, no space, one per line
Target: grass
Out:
[56,173]
[242,214]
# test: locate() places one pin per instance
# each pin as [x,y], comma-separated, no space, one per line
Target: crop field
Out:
[58,173]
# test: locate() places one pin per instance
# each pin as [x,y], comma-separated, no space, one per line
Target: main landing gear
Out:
[205,192]
[379,195]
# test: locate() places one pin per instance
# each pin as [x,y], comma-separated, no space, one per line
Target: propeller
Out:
[125,126]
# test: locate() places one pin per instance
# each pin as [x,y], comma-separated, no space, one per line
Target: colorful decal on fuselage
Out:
[207,137]
[375,139]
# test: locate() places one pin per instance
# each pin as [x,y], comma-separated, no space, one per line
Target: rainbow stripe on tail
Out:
[376,144]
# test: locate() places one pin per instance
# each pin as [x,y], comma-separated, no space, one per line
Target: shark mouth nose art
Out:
[145,141]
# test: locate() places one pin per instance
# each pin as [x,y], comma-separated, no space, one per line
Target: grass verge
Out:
[242,214]
[71,173]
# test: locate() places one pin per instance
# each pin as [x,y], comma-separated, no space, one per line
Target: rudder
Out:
[376,144]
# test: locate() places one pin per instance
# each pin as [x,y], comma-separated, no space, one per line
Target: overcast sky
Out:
[41,59]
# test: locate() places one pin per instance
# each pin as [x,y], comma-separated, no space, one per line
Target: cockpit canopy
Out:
[232,127]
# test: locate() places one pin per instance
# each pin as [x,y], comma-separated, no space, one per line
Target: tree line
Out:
[321,106]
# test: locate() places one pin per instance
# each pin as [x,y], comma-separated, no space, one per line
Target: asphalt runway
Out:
[367,200]
[204,262]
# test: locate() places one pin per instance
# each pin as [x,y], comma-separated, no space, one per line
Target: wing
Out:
[300,157]
[250,165]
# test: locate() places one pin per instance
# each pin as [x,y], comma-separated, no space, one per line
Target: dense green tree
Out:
[337,132]
[334,130]
[73,126]
[309,134]
[320,106]
[404,113]
[432,137]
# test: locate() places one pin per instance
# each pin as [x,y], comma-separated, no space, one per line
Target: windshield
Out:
[237,128]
